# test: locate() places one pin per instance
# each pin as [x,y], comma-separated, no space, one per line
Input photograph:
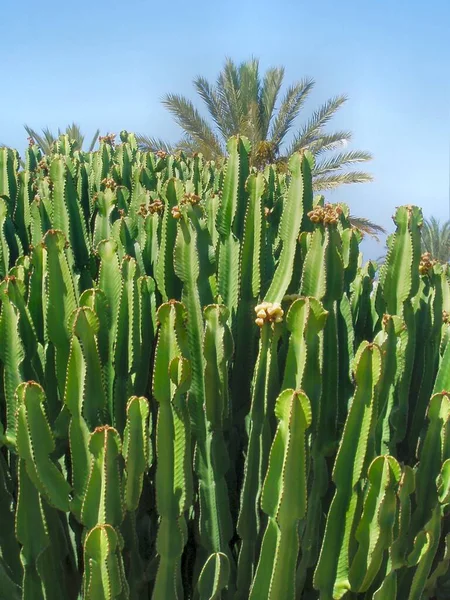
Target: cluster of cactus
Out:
[205,394]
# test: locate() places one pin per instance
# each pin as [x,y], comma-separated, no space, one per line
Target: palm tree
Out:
[241,101]
[436,239]
[48,138]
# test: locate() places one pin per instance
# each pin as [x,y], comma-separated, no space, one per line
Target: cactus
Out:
[205,394]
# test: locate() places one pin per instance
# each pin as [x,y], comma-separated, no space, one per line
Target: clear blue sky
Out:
[107,64]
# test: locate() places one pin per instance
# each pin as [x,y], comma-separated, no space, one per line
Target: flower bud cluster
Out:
[426,263]
[109,182]
[328,214]
[268,312]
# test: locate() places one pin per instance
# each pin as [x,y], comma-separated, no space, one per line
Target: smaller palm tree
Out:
[47,138]
[436,239]
[245,101]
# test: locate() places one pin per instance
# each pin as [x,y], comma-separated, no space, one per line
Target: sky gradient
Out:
[107,64]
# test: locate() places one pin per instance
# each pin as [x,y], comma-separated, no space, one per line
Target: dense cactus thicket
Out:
[205,394]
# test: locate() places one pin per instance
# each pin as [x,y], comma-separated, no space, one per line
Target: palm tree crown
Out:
[436,239]
[46,139]
[241,101]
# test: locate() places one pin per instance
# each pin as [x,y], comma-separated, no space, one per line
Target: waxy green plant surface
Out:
[205,394]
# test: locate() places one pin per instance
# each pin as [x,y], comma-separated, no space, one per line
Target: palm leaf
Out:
[312,130]
[332,181]
[152,144]
[44,141]
[190,120]
[367,226]
[338,161]
[270,90]
[330,141]
[290,107]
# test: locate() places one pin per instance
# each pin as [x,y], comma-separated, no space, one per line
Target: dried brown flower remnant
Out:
[109,138]
[426,263]
[176,214]
[445,316]
[268,312]
[328,214]
[161,154]
[108,182]
[190,199]
[156,207]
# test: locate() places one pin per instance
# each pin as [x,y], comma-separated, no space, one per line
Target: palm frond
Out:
[367,226]
[152,144]
[74,133]
[330,141]
[44,141]
[436,239]
[190,120]
[209,96]
[270,90]
[312,130]
[228,92]
[291,105]
[338,161]
[332,181]
[94,140]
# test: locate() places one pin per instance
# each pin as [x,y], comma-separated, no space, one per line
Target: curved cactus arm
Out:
[173,448]
[215,531]
[22,209]
[399,283]
[293,214]
[441,570]
[305,320]
[149,229]
[147,325]
[375,530]
[14,290]
[104,575]
[283,499]
[12,355]
[168,285]
[136,449]
[212,460]
[431,534]
[4,246]
[35,444]
[331,577]
[212,204]
[187,269]
[392,339]
[35,299]
[360,292]
[399,277]
[232,208]
[9,546]
[230,221]
[105,203]
[111,283]
[102,501]
[31,532]
[434,449]
[264,390]
[126,343]
[84,373]
[250,287]
[214,577]
[79,240]
[60,300]
[351,239]
[442,381]
[428,318]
